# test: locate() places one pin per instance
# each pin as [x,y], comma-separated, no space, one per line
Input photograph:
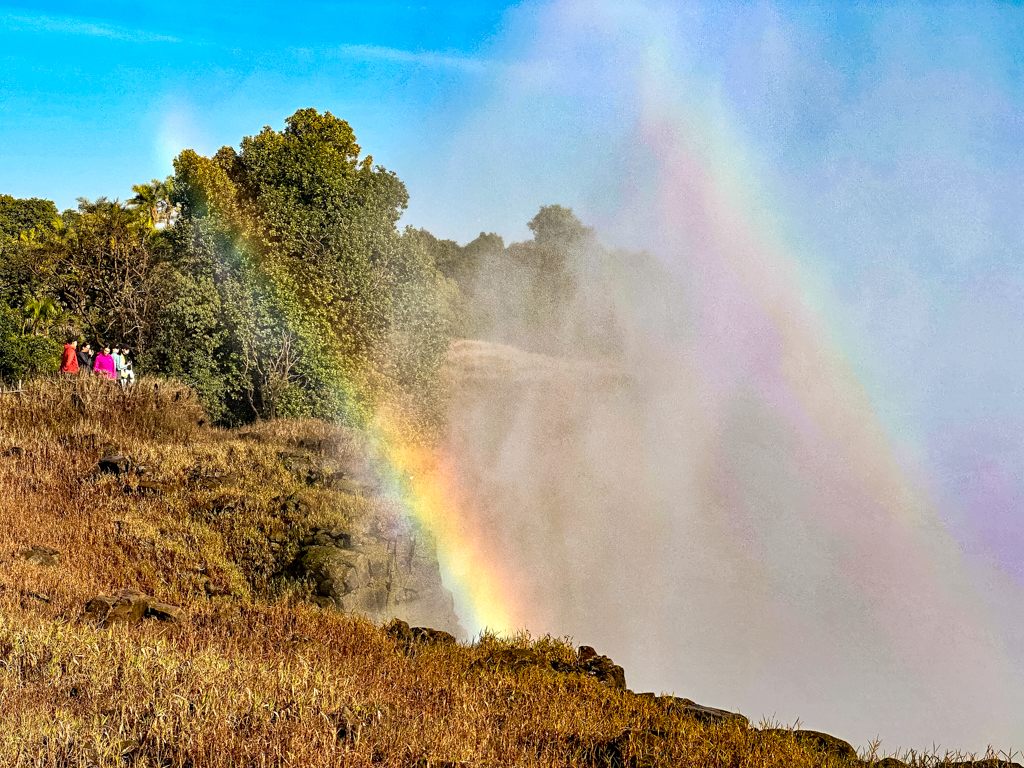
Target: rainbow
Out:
[419,476]
[761,330]
[422,478]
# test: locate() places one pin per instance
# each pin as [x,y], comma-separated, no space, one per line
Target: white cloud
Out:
[69,25]
[418,58]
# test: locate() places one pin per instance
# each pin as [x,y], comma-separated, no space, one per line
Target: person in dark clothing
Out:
[85,358]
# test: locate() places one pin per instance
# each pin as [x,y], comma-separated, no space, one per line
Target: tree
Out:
[18,215]
[23,356]
[112,274]
[556,226]
[155,199]
[323,303]
[40,312]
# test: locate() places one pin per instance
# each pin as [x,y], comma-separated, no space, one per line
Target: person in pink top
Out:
[104,364]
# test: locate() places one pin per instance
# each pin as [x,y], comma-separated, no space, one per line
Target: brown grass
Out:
[257,677]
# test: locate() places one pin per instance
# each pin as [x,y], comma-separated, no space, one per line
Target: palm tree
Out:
[40,312]
[154,199]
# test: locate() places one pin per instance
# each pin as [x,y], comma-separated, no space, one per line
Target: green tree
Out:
[155,200]
[323,304]
[40,313]
[111,272]
[24,356]
[20,214]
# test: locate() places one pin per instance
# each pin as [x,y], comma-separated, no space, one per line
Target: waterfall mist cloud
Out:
[798,497]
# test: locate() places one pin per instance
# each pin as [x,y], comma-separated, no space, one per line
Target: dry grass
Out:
[257,677]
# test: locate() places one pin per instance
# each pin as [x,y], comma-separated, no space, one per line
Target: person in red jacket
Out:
[69,358]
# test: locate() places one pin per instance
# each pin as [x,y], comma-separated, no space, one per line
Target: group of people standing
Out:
[114,364]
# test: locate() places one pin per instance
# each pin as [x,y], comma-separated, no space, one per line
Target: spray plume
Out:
[726,514]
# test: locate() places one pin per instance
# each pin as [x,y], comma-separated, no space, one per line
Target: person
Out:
[104,364]
[118,362]
[69,359]
[85,358]
[126,376]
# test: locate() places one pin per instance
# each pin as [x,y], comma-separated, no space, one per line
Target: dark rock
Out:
[990,762]
[213,589]
[350,579]
[130,608]
[821,742]
[312,444]
[585,653]
[431,636]
[411,637]
[605,670]
[114,464]
[327,537]
[125,608]
[39,555]
[15,452]
[302,466]
[292,507]
[695,711]
[166,612]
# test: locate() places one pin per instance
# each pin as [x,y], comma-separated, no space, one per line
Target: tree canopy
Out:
[272,276]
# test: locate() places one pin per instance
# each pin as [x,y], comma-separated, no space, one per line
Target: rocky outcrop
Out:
[409,639]
[591,663]
[378,574]
[691,709]
[588,662]
[130,608]
[40,555]
[115,463]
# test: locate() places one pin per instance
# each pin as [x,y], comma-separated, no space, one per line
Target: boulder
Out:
[327,537]
[409,638]
[114,463]
[699,712]
[40,555]
[302,467]
[130,608]
[352,580]
[604,669]
[292,508]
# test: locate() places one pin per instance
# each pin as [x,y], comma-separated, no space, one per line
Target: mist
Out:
[754,495]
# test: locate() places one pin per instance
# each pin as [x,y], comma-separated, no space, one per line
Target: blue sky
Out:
[97,97]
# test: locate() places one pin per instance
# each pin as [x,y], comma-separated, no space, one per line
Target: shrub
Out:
[24,356]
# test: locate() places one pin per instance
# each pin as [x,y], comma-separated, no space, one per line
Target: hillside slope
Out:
[179,595]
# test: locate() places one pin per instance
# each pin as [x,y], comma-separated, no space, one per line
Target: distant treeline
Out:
[274,279]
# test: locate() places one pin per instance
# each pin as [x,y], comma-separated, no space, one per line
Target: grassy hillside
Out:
[251,671]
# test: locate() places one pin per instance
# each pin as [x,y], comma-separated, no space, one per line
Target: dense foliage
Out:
[274,279]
